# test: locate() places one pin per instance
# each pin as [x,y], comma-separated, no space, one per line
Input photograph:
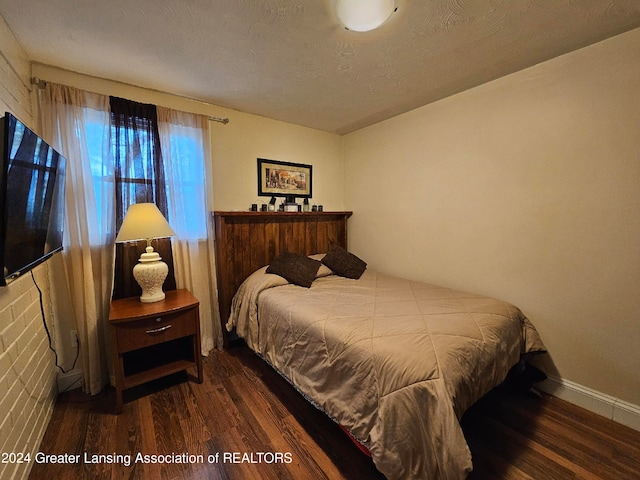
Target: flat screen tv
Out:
[31,199]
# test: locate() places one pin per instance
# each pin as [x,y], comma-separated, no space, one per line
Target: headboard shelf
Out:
[279,214]
[247,241]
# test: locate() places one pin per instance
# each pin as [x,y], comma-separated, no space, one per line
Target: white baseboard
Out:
[71,380]
[610,407]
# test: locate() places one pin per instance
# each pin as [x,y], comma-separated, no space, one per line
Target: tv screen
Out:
[31,199]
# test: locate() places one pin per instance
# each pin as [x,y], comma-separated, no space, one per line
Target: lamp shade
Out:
[364,15]
[143,221]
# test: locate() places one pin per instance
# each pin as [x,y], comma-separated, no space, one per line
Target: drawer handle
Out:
[158,330]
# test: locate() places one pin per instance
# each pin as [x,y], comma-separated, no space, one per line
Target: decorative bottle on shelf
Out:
[305,205]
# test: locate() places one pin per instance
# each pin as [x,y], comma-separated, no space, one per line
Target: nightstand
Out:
[152,340]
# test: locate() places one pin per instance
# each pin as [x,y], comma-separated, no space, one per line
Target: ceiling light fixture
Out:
[364,15]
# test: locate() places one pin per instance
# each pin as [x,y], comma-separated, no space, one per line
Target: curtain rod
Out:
[39,83]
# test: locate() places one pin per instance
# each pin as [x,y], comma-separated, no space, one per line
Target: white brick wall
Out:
[27,370]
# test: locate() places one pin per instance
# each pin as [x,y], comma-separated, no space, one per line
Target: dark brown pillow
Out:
[295,268]
[344,263]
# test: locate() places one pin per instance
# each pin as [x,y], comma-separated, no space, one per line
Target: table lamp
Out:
[144,221]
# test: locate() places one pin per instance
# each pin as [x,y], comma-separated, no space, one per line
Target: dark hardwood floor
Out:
[244,406]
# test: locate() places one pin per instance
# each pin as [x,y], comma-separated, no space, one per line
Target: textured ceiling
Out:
[291,60]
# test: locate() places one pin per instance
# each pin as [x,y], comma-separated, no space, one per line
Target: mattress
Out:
[395,362]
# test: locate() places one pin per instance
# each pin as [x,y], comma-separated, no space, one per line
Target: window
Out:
[183,156]
[182,162]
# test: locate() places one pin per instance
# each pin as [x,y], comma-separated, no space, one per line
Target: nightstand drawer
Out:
[159,329]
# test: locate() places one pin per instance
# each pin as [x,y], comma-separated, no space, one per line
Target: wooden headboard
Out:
[247,241]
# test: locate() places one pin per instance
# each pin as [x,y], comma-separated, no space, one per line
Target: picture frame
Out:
[284,179]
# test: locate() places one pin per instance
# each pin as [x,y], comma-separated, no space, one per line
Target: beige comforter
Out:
[395,362]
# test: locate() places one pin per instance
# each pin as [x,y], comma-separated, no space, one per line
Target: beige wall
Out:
[236,146]
[27,371]
[527,189]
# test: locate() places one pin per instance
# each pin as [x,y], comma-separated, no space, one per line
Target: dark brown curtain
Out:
[139,177]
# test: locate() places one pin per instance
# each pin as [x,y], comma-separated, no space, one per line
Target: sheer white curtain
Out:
[77,124]
[184,139]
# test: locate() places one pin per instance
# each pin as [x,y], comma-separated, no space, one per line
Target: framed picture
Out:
[284,179]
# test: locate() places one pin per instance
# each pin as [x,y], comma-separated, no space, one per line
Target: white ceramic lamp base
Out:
[150,273]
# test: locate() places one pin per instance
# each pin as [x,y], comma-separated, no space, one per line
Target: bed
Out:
[395,362]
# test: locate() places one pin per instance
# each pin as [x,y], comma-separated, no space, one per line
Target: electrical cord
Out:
[46,329]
